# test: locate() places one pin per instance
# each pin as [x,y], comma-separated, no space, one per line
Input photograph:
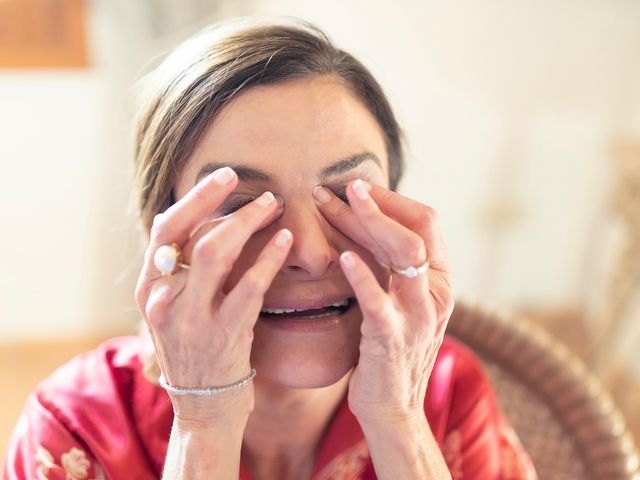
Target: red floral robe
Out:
[98,416]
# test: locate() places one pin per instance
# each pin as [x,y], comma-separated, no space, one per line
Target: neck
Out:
[286,425]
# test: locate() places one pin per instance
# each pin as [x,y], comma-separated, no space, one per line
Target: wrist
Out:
[396,426]
[405,449]
[210,451]
[389,418]
[226,412]
[205,426]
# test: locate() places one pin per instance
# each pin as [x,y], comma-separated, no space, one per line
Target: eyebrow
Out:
[246,173]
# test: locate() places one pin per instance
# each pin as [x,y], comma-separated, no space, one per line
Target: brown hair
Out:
[180,97]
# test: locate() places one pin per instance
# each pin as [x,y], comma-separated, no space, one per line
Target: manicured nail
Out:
[224,175]
[283,237]
[265,199]
[361,189]
[321,194]
[348,260]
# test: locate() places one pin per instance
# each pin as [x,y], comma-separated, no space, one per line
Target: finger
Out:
[375,304]
[420,218]
[162,294]
[215,253]
[208,225]
[424,220]
[390,242]
[402,246]
[248,295]
[180,219]
[341,216]
[152,285]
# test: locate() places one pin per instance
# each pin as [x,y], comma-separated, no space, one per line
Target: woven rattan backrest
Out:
[567,423]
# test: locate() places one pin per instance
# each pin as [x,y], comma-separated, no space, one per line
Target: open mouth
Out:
[329,310]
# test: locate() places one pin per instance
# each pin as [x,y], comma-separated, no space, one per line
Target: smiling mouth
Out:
[334,309]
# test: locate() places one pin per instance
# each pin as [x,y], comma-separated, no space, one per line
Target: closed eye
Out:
[340,191]
[239,201]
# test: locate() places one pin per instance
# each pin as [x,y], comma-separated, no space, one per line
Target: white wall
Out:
[69,246]
[508,106]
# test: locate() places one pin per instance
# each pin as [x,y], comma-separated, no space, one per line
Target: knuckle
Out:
[450,304]
[415,248]
[160,228]
[379,308]
[157,219]
[157,306]
[427,217]
[208,251]
[254,283]
[140,295]
[248,336]
[430,213]
[205,248]
[142,289]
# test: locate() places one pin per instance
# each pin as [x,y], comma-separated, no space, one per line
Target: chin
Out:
[303,355]
[292,371]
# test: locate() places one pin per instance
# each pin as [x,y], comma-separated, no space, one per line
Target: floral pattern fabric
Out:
[100,417]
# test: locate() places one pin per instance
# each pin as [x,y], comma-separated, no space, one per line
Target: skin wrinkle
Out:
[247,173]
[302,377]
[292,127]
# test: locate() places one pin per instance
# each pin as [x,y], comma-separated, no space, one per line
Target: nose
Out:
[313,252]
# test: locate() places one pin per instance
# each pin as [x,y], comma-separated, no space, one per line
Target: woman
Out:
[267,161]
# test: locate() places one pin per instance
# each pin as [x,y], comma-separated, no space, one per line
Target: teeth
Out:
[343,303]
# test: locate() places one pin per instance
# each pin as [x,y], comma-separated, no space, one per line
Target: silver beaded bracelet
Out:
[207,391]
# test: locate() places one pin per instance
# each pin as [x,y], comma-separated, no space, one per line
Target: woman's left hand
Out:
[402,328]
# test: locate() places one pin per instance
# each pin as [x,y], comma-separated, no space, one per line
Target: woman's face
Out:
[289,138]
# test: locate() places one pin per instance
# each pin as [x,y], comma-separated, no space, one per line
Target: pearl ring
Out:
[167,258]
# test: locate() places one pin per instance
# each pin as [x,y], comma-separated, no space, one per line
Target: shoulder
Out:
[475,436]
[457,382]
[102,374]
[86,416]
[457,364]
[462,362]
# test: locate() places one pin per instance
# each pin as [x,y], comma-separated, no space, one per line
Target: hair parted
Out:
[178,99]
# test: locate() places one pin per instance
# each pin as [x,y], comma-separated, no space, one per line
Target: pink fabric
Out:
[99,417]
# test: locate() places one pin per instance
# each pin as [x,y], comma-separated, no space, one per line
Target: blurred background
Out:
[523,126]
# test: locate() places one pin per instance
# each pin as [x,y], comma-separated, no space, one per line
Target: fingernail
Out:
[265,199]
[321,194]
[361,189]
[223,175]
[348,260]
[280,201]
[283,237]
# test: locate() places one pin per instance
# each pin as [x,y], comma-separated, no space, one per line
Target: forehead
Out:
[297,127]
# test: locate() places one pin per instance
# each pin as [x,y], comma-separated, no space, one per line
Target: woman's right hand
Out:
[203,337]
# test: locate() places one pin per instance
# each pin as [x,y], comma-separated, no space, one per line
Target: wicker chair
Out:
[567,423]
